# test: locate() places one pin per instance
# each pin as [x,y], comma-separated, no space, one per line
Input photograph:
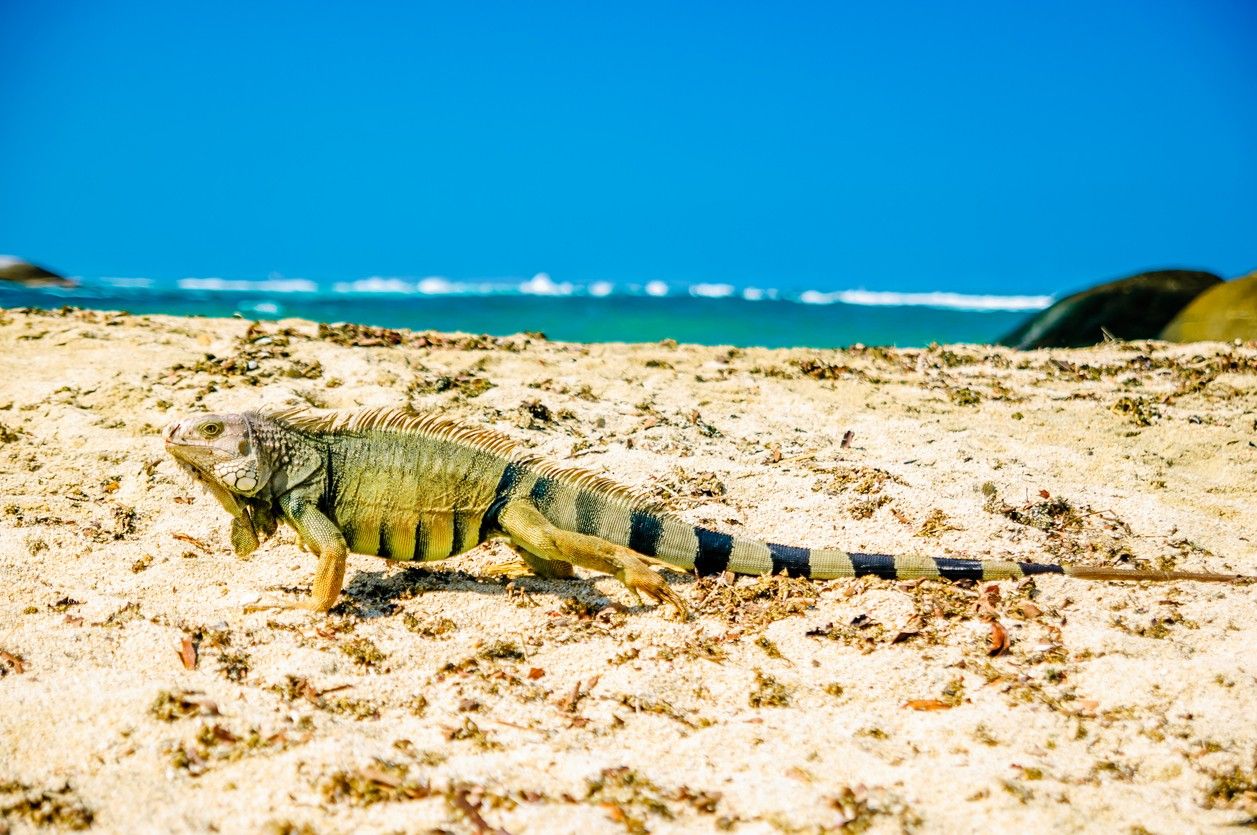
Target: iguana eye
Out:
[211,430]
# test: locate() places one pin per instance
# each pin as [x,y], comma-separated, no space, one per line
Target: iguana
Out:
[396,484]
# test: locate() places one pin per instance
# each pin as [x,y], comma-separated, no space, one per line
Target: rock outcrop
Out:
[1137,307]
[1222,313]
[31,275]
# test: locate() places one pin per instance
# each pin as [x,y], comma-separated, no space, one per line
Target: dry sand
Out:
[433,695]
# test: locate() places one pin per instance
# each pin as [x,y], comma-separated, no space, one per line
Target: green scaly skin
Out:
[399,485]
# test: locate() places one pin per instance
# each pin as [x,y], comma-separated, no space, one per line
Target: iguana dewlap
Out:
[396,484]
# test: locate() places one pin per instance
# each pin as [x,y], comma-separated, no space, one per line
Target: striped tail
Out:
[578,500]
[711,552]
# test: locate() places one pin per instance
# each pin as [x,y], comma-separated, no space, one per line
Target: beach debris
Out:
[463,384]
[964,396]
[768,692]
[580,690]
[704,427]
[359,336]
[215,742]
[533,414]
[753,603]
[11,661]
[1233,788]
[936,524]
[191,540]
[187,652]
[469,731]
[170,706]
[1138,410]
[385,781]
[858,806]
[998,639]
[364,653]
[864,480]
[59,807]
[468,799]
[819,369]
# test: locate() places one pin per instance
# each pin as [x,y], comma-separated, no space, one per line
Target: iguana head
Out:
[221,449]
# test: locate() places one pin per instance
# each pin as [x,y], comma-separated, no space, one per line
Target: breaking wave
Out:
[542,284]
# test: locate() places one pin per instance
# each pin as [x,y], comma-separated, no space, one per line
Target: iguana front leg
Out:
[326,540]
[535,534]
[243,534]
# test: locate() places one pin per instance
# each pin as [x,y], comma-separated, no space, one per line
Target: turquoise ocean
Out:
[708,314]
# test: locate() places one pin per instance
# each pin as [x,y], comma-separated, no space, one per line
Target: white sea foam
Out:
[375,284]
[265,308]
[270,285]
[542,285]
[435,285]
[957,301]
[712,291]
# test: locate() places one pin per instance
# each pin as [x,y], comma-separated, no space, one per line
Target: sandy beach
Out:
[136,695]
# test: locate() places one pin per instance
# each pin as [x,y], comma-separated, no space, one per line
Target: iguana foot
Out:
[270,604]
[512,569]
[525,564]
[639,580]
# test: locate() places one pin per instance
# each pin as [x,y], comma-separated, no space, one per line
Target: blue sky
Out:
[985,147]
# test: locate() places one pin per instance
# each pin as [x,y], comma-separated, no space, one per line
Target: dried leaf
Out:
[14,661]
[988,600]
[187,653]
[191,540]
[1086,707]
[999,639]
[913,627]
[568,703]
[1027,610]
[381,777]
[928,704]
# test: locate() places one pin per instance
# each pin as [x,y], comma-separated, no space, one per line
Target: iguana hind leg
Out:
[533,532]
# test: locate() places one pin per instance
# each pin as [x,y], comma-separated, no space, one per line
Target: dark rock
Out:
[31,275]
[1137,307]
[1222,313]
